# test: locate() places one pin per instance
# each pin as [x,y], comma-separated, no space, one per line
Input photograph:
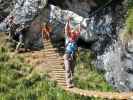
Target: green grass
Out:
[130,17]
[128,32]
[19,81]
[86,75]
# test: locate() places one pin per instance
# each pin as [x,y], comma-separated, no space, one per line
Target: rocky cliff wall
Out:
[100,32]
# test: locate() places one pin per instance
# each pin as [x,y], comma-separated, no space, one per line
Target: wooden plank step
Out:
[57,63]
[60,79]
[48,46]
[47,42]
[52,54]
[58,69]
[54,51]
[59,73]
[51,49]
[60,76]
[52,58]
[57,66]
[62,72]
[61,60]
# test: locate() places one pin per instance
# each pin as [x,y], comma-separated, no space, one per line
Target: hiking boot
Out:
[20,50]
[70,86]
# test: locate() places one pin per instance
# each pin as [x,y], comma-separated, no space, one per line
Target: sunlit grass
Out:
[86,75]
[19,81]
[127,35]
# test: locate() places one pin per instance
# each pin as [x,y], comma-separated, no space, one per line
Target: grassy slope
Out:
[86,76]
[128,33]
[18,80]
[130,17]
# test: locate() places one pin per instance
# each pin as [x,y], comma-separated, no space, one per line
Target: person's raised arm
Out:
[79,30]
[67,28]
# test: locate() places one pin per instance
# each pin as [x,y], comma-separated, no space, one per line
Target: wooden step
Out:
[57,66]
[48,46]
[52,55]
[51,49]
[58,69]
[47,41]
[59,58]
[51,52]
[54,60]
[60,76]
[57,63]
[62,72]
[56,72]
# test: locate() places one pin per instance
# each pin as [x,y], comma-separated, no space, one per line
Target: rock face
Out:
[81,7]
[117,62]
[100,29]
[24,12]
[5,8]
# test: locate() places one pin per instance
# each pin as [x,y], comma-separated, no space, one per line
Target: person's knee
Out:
[65,57]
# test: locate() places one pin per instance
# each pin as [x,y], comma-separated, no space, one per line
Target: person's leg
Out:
[67,70]
[72,64]
[20,42]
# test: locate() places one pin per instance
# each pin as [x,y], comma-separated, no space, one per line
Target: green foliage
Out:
[130,4]
[87,77]
[18,81]
[128,33]
[130,18]
[101,2]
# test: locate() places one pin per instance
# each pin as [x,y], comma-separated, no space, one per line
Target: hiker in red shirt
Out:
[71,36]
[46,31]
